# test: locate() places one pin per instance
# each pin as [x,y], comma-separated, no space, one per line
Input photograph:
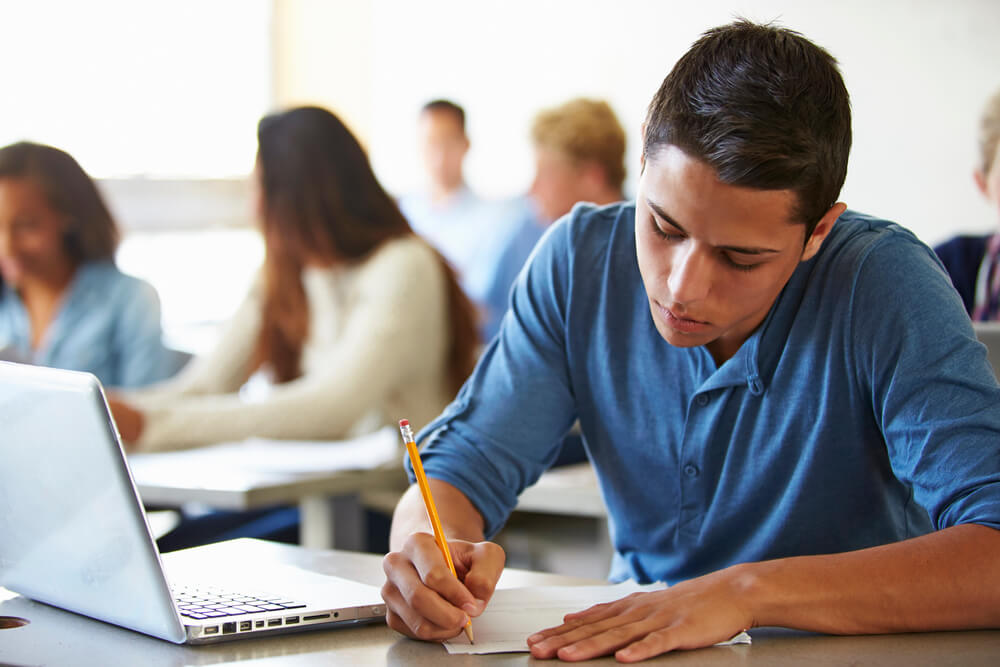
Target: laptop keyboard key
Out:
[231,611]
[207,602]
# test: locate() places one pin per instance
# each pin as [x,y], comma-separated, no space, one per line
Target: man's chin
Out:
[682,339]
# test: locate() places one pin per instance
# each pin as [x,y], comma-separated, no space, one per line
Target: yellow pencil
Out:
[425,491]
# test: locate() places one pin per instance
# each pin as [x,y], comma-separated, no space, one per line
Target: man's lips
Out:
[681,323]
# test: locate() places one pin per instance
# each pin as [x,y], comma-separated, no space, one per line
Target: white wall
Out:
[322,54]
[918,70]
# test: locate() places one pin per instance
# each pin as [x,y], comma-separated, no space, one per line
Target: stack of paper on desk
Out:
[277,457]
[514,614]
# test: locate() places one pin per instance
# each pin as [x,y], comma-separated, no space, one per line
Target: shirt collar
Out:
[755,361]
[742,369]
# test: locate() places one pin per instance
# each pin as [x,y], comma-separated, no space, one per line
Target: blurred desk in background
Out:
[324,479]
[568,490]
[559,524]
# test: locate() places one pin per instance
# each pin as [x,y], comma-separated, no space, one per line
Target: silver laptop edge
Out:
[75,534]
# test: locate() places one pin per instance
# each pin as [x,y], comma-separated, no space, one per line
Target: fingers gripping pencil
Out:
[425,491]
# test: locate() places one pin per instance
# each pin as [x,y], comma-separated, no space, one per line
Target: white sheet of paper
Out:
[278,457]
[514,614]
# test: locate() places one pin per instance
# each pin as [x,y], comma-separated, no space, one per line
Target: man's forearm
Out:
[458,515]
[946,580]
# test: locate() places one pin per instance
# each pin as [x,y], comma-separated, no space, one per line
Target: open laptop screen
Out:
[74,533]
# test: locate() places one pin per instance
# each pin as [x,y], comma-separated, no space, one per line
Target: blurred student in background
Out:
[352,322]
[579,152]
[63,301]
[972,261]
[453,218]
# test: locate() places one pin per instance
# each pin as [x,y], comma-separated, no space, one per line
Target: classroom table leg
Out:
[332,522]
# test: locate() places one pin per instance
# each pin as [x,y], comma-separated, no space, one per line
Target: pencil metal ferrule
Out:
[406,431]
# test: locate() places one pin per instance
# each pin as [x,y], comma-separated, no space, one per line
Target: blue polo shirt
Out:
[862,411]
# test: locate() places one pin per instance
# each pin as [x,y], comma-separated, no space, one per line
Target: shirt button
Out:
[702,400]
[691,470]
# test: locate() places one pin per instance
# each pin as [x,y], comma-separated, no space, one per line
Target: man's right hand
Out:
[423,598]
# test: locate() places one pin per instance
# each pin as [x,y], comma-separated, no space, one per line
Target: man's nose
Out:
[690,274]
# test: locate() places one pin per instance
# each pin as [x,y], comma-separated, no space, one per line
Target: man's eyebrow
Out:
[731,248]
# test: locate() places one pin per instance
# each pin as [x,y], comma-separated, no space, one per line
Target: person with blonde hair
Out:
[579,150]
[579,156]
[973,262]
[63,301]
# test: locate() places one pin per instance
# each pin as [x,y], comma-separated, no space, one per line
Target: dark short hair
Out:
[91,232]
[448,107]
[765,108]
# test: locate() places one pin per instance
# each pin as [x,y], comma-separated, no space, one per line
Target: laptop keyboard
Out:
[200,602]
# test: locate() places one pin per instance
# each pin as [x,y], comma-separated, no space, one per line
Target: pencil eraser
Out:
[404,422]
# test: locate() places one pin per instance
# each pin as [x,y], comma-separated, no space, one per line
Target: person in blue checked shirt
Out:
[789,415]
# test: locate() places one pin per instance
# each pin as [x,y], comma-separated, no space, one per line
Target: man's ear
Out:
[980,178]
[822,230]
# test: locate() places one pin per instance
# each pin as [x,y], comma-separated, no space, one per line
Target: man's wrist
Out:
[754,586]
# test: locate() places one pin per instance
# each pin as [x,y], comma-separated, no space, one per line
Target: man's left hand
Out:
[696,613]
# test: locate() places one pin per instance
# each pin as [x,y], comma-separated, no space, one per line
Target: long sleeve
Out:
[933,392]
[387,352]
[223,369]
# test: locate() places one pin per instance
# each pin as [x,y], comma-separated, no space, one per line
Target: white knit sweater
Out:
[375,353]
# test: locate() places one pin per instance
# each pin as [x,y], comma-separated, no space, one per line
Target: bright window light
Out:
[161,89]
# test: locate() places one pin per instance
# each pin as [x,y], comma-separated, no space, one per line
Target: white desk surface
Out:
[55,637]
[246,490]
[258,473]
[567,490]
[570,490]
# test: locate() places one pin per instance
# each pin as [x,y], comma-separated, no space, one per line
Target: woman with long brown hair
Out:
[353,321]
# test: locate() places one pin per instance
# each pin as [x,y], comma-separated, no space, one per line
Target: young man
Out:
[452,217]
[789,415]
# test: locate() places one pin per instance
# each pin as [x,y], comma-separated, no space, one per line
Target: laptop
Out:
[73,532]
[988,334]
